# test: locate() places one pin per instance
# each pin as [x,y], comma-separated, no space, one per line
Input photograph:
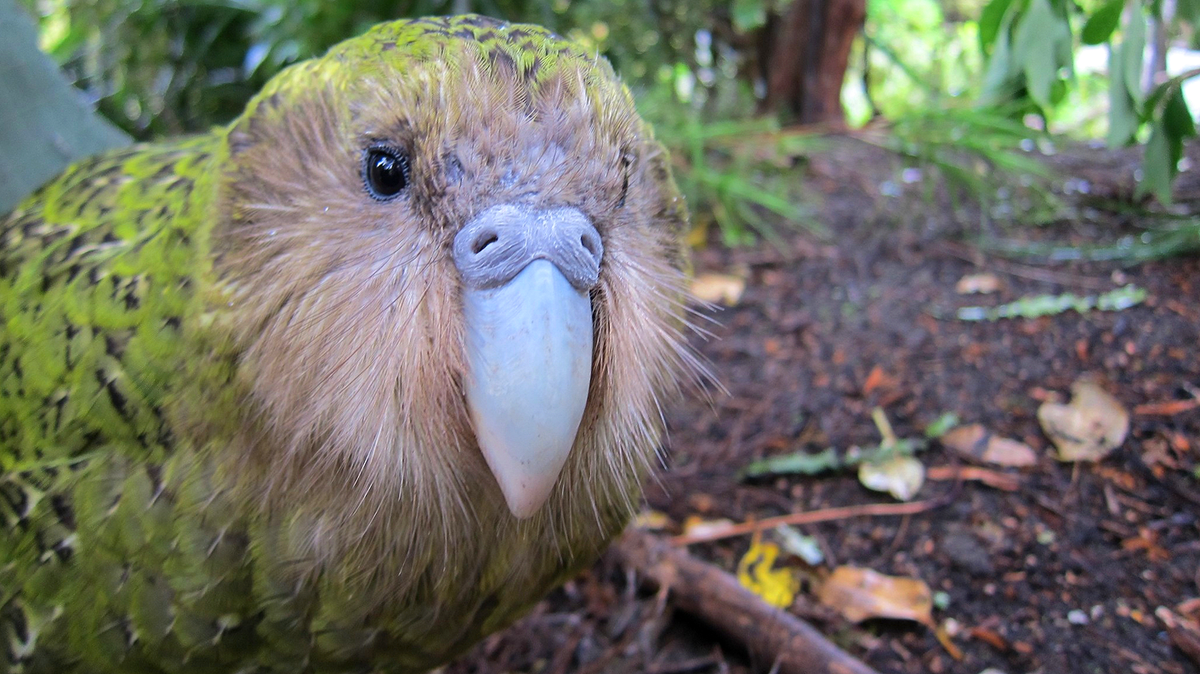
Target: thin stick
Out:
[991,478]
[1168,408]
[811,517]
[1023,270]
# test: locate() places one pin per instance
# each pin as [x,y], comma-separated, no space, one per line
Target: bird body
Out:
[243,388]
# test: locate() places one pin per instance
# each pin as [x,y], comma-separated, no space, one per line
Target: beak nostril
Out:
[589,243]
[483,241]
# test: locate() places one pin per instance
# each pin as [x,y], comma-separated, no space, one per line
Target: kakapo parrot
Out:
[348,383]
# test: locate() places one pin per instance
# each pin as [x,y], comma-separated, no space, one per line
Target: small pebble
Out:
[1077,617]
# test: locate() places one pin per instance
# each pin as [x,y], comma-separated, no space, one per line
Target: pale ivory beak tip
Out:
[529,353]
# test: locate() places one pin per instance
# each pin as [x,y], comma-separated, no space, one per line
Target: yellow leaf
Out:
[777,587]
[652,520]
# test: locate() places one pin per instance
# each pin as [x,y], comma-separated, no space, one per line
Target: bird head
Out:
[449,271]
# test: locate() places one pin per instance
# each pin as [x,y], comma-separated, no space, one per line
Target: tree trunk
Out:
[804,59]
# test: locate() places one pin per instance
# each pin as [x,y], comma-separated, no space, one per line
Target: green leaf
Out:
[1058,91]
[1064,42]
[1188,10]
[1131,50]
[1036,306]
[44,124]
[1177,119]
[1101,24]
[801,463]
[991,21]
[1156,95]
[1157,166]
[748,15]
[1001,69]
[1122,115]
[1034,40]
[941,425]
[1120,299]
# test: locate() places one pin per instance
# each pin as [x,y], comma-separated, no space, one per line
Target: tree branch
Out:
[776,639]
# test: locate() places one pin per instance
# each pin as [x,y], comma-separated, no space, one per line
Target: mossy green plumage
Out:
[232,433]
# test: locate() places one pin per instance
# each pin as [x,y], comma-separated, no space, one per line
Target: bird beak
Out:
[527,276]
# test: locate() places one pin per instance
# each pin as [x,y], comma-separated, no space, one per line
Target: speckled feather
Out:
[232,426]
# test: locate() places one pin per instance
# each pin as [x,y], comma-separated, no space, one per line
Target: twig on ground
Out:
[1168,408]
[775,638]
[991,478]
[1182,632]
[562,657]
[811,517]
[679,667]
[968,254]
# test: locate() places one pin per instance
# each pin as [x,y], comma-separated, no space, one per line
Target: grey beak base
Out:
[497,244]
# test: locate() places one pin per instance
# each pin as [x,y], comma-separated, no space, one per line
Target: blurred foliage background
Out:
[970,89]
[160,67]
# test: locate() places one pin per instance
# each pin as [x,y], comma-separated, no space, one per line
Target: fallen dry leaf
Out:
[878,379]
[1088,428]
[943,637]
[977,443]
[859,594]
[1156,453]
[990,637]
[726,289]
[698,526]
[901,476]
[982,284]
[1179,442]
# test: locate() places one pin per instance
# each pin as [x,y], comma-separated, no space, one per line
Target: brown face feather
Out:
[344,316]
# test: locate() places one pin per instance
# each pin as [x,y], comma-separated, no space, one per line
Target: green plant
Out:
[1029,45]
[985,154]
[734,173]
[166,67]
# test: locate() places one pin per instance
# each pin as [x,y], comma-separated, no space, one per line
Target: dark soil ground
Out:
[1107,544]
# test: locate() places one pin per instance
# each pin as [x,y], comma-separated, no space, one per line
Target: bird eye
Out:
[385,172]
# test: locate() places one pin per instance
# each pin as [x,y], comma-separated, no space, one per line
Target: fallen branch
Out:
[810,517]
[776,639]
